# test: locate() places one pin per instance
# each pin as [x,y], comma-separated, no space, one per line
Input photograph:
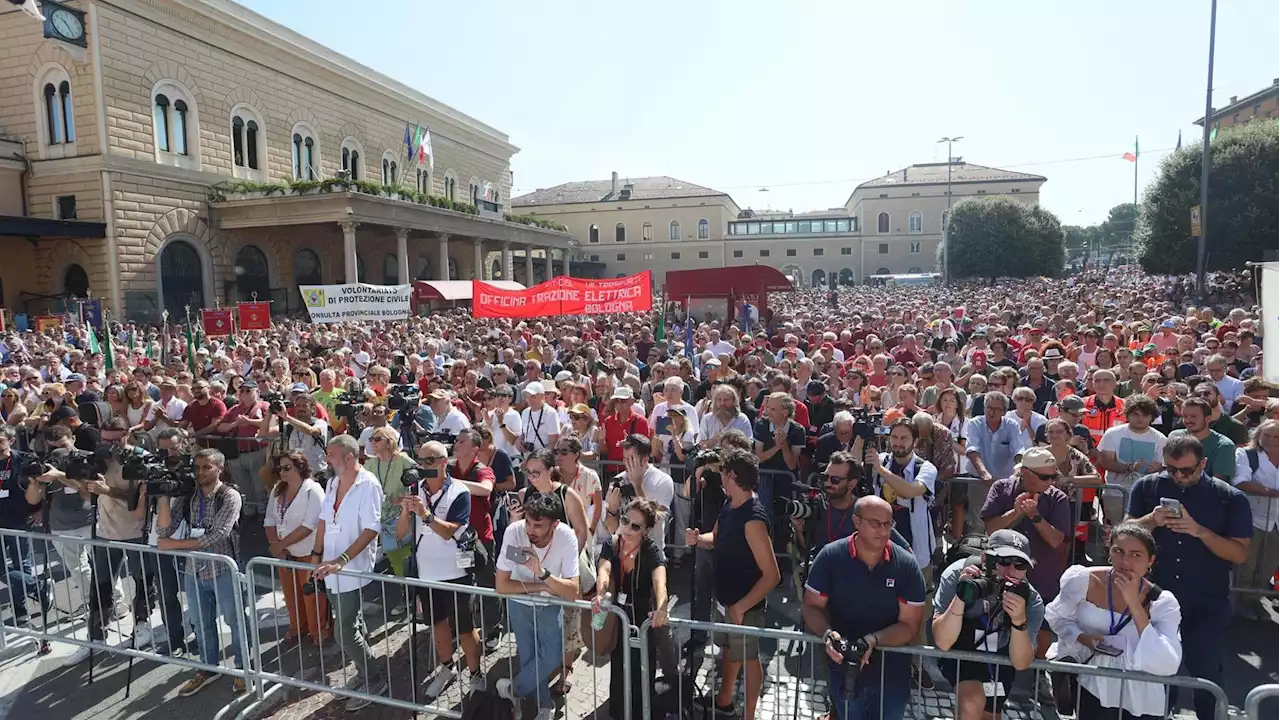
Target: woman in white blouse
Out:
[1113,617]
[291,518]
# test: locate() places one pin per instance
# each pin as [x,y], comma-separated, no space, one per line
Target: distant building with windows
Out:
[892,224]
[1261,104]
[125,125]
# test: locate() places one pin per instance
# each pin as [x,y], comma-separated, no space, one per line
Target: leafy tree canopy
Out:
[1000,237]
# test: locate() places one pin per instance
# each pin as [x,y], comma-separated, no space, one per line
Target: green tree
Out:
[1079,241]
[1242,212]
[1119,227]
[1000,237]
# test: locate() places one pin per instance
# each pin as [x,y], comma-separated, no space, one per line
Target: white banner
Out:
[359,302]
[1271,321]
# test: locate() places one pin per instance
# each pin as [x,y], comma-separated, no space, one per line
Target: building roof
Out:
[936,173]
[1248,101]
[588,191]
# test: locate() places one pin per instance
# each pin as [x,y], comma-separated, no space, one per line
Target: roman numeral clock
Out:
[64,23]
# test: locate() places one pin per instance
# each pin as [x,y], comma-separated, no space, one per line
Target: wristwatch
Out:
[1036,519]
[1023,626]
[542,576]
[430,518]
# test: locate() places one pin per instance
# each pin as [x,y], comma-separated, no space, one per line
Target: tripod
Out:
[148,516]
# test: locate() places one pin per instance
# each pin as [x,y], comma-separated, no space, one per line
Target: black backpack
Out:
[970,546]
[486,706]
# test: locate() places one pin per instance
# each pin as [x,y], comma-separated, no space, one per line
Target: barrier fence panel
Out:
[189,603]
[371,653]
[801,677]
[1253,701]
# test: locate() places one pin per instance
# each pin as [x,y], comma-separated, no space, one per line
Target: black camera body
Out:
[163,475]
[853,651]
[349,405]
[76,464]
[403,397]
[868,424]
[808,502]
[624,487]
[990,586]
[275,401]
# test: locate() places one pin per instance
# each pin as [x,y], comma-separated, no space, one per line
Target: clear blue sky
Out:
[811,98]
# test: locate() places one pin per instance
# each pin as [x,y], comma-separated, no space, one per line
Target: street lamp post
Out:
[1204,158]
[946,239]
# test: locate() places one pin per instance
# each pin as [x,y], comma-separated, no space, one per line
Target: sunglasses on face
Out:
[284,467]
[563,451]
[834,479]
[637,527]
[1186,472]
[1015,563]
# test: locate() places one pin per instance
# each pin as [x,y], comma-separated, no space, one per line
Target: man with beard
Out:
[906,482]
[724,414]
[202,416]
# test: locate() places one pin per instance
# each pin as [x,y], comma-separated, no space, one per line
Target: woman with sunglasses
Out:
[388,464]
[12,411]
[114,396]
[290,521]
[584,480]
[632,574]
[582,426]
[1114,617]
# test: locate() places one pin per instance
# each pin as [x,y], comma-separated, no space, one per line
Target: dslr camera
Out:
[624,487]
[162,474]
[275,401]
[403,397]
[851,668]
[76,464]
[990,586]
[809,501]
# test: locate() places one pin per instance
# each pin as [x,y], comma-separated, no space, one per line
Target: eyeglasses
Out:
[876,524]
[634,525]
[1183,471]
[1013,562]
[1043,476]
[563,451]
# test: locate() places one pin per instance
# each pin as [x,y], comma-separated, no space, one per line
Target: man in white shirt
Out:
[504,421]
[719,347]
[1230,388]
[539,557]
[650,483]
[302,431]
[449,419]
[1130,451]
[540,424]
[167,412]
[350,520]
[1257,478]
[359,361]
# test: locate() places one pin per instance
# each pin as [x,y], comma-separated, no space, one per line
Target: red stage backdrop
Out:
[216,322]
[564,296]
[255,315]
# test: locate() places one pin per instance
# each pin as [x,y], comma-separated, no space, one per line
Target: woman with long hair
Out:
[388,464]
[1113,617]
[632,573]
[114,396]
[291,514]
[137,404]
[12,411]
[1104,360]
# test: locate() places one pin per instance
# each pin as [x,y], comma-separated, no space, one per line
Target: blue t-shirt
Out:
[863,599]
[736,571]
[979,619]
[1186,566]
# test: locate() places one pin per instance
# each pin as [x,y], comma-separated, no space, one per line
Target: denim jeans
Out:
[867,702]
[21,579]
[539,648]
[207,599]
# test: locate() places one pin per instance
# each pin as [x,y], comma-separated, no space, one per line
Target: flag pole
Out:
[1136,158]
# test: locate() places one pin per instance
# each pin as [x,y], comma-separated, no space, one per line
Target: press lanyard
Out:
[1116,626]
[839,525]
[382,478]
[200,517]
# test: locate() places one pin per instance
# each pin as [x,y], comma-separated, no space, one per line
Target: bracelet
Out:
[344,559]
[1023,626]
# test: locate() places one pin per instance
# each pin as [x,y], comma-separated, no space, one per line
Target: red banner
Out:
[564,296]
[216,322]
[255,315]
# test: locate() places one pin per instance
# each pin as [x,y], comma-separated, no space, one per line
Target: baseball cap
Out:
[1168,324]
[1009,543]
[622,393]
[534,388]
[678,410]
[563,375]
[816,388]
[711,363]
[442,395]
[298,387]
[1039,458]
[580,409]
[1072,404]
[76,377]
[63,413]
[249,385]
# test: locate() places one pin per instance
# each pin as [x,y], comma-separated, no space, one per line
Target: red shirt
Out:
[616,428]
[481,517]
[244,432]
[201,416]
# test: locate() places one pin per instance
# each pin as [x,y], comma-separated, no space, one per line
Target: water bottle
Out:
[597,619]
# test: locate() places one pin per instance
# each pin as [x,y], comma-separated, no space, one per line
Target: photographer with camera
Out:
[539,424]
[985,604]
[301,431]
[446,552]
[211,515]
[449,419]
[161,572]
[68,514]
[906,482]
[745,571]
[845,436]
[864,593]
[831,517]
[15,510]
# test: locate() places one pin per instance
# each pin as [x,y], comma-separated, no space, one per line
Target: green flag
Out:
[660,334]
[191,346]
[94,347]
[106,336]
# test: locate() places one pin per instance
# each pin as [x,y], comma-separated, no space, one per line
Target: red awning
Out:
[429,290]
[725,282]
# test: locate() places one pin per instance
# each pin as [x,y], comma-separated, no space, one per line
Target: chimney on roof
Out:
[626,191]
[613,186]
[1233,99]
[904,174]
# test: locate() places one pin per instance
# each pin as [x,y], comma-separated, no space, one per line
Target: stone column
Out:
[477,262]
[508,264]
[442,272]
[402,255]
[528,266]
[349,262]
[568,262]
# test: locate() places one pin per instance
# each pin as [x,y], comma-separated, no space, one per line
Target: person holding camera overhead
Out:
[291,518]
[446,552]
[301,431]
[862,593]
[1114,617]
[986,604]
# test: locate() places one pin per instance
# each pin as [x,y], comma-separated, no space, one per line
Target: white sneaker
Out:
[476,681]
[79,655]
[545,714]
[506,690]
[142,637]
[440,681]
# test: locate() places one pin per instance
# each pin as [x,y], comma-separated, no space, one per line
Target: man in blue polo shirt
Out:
[867,587]
[1203,527]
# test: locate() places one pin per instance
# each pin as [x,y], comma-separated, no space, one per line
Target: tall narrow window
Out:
[237,141]
[673,232]
[297,156]
[704,229]
[882,223]
[394,172]
[646,232]
[619,233]
[180,127]
[346,159]
[355,164]
[251,143]
[593,234]
[53,114]
[309,156]
[915,222]
[161,119]
[68,114]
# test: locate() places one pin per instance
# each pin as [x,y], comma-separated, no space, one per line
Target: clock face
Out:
[67,24]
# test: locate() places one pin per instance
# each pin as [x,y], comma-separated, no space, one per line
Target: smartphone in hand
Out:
[1172,506]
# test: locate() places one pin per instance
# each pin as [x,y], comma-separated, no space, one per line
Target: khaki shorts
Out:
[740,647]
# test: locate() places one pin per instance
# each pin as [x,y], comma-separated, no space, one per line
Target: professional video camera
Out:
[348,407]
[75,464]
[990,586]
[852,651]
[163,475]
[275,401]
[869,424]
[403,397]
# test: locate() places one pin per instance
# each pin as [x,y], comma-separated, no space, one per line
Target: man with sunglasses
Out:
[1203,527]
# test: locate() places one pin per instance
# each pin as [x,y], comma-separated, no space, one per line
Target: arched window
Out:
[474,191]
[883,271]
[673,232]
[352,158]
[704,229]
[390,270]
[176,125]
[56,112]
[882,223]
[451,185]
[390,168]
[53,116]
[306,268]
[252,273]
[424,181]
[306,157]
[915,269]
[646,232]
[619,233]
[75,281]
[247,147]
[181,277]
[593,234]
[915,222]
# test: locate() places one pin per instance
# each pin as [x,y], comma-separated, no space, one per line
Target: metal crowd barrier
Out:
[790,695]
[325,669]
[109,561]
[1253,701]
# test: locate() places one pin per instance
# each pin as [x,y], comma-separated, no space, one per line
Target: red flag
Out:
[217,323]
[255,315]
[1130,157]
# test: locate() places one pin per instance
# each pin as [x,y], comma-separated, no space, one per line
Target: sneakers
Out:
[545,714]
[142,637]
[197,683]
[476,682]
[444,675]
[79,655]
[506,691]
[1044,689]
[357,703]
[711,709]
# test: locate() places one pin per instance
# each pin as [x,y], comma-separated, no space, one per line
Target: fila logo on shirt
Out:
[888,582]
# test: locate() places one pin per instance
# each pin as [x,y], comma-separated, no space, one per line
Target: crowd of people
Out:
[895,455]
